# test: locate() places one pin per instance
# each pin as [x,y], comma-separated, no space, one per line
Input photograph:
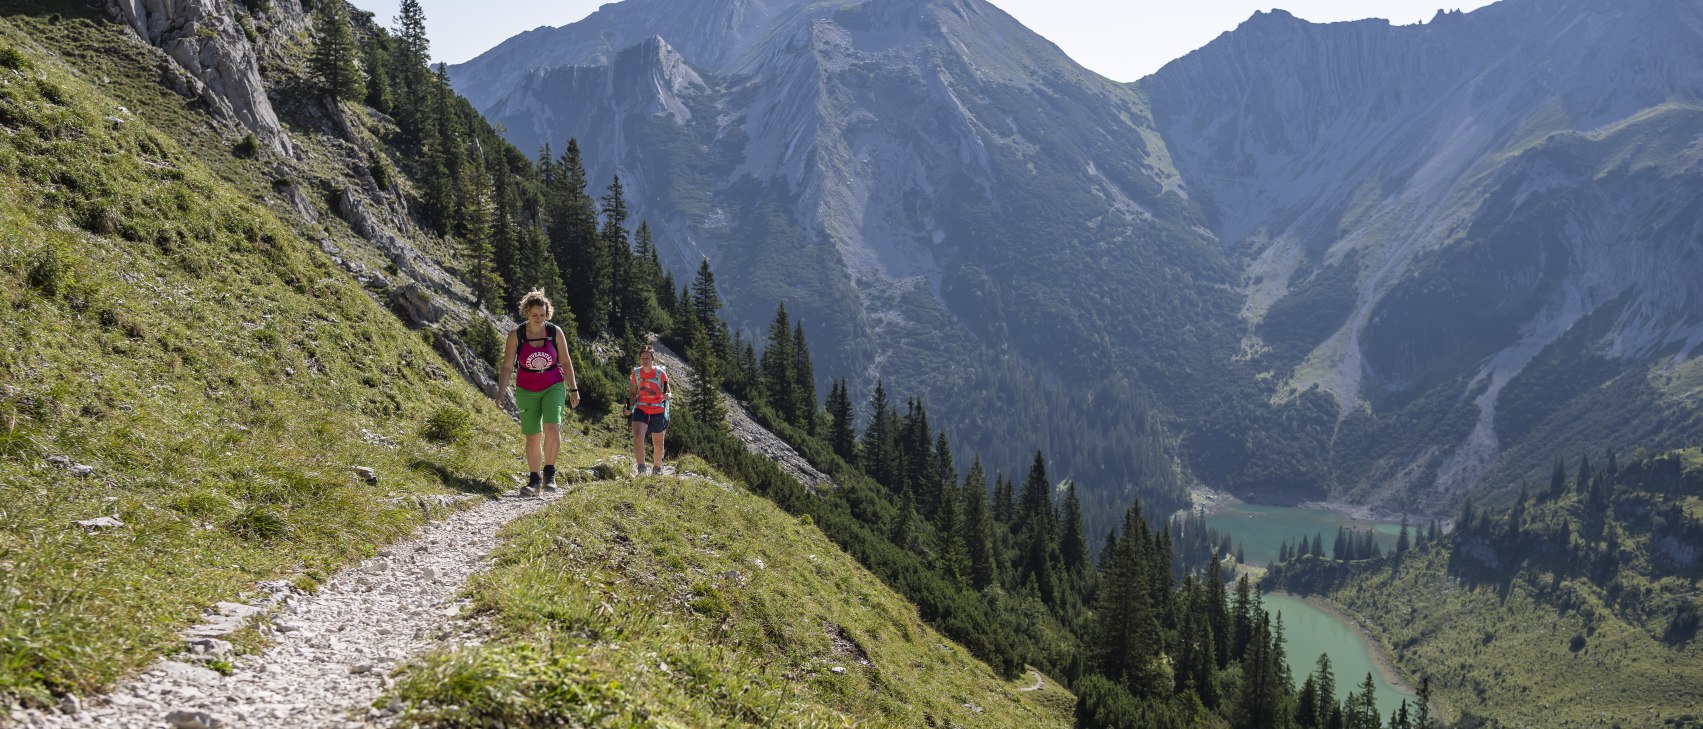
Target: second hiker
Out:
[539,351]
[648,399]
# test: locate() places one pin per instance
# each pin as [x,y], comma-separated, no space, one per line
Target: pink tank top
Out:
[539,364]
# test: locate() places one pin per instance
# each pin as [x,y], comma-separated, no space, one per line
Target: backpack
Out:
[660,377]
[520,334]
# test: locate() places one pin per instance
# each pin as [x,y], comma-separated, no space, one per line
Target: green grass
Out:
[214,368]
[639,602]
[1548,625]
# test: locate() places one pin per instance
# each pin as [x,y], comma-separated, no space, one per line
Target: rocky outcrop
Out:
[206,40]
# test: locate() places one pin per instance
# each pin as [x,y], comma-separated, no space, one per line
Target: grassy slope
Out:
[621,603]
[218,372]
[1523,646]
[214,368]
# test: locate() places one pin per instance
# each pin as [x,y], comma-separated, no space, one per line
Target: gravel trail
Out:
[333,650]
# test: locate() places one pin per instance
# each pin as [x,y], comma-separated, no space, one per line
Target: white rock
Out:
[180,671]
[838,670]
[101,522]
[184,719]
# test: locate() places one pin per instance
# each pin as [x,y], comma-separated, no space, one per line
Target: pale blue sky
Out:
[1121,39]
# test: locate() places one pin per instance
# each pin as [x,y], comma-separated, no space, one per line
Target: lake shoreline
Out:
[1386,667]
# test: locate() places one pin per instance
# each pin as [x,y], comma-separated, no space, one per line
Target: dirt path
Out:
[334,649]
[1039,681]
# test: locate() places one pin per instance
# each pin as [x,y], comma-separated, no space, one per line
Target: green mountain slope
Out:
[692,602]
[219,374]
[177,324]
[1577,607]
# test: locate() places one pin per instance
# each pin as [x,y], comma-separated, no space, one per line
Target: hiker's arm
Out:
[567,361]
[505,369]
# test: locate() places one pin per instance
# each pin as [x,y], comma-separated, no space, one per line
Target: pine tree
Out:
[1073,543]
[706,302]
[880,448]
[377,62]
[573,237]
[978,528]
[626,317]
[476,243]
[1326,681]
[1127,634]
[804,381]
[842,433]
[1422,709]
[779,368]
[1318,545]
[1558,480]
[1401,538]
[333,65]
[703,401]
[952,549]
[1004,503]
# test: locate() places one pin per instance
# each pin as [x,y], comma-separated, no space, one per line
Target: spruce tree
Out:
[880,449]
[334,66]
[572,230]
[706,302]
[627,314]
[978,528]
[804,381]
[703,401]
[842,433]
[779,369]
[1073,543]
[377,65]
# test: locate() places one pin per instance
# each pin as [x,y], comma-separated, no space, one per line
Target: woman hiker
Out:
[648,400]
[539,350]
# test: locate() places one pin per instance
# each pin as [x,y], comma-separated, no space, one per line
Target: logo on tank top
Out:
[538,361]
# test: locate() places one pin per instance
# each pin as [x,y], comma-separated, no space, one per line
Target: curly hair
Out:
[536,297]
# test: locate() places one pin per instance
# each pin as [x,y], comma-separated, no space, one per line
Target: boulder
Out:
[416,304]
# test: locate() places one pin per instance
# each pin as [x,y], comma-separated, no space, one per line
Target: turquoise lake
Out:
[1262,530]
[1308,630]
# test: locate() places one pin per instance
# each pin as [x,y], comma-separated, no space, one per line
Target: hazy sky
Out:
[1121,39]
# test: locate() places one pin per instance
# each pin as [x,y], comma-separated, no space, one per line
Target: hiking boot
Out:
[656,470]
[550,478]
[531,487]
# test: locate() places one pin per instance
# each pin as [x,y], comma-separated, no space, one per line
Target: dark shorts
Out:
[653,423]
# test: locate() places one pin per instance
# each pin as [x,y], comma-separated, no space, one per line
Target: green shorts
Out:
[537,408]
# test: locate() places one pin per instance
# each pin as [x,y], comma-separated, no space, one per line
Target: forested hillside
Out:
[1575,606]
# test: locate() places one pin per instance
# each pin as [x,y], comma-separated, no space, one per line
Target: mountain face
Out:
[1387,263]
[1478,227]
[943,198]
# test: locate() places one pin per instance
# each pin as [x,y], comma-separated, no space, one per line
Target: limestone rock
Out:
[100,522]
[416,304]
[222,68]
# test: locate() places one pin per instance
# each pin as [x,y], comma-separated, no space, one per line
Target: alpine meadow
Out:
[1333,376]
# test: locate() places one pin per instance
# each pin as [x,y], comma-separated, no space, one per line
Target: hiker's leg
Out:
[639,443]
[656,450]
[534,451]
[552,442]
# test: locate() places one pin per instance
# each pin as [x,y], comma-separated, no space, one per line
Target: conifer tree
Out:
[1219,618]
[1401,538]
[574,243]
[703,401]
[1127,633]
[1004,503]
[779,369]
[1073,542]
[376,63]
[842,433]
[706,302]
[626,316]
[1318,545]
[333,65]
[952,549]
[879,447]
[1326,680]
[804,381]
[978,527]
